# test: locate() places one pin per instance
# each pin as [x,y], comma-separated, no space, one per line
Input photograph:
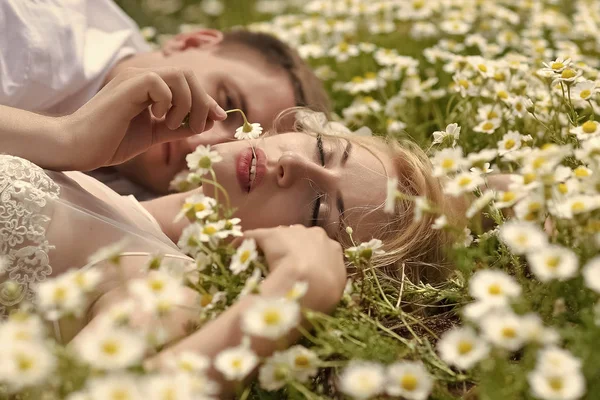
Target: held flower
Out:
[247,130]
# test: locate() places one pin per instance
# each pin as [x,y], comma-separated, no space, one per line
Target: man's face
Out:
[243,80]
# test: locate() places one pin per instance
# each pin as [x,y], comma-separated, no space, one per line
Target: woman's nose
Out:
[292,167]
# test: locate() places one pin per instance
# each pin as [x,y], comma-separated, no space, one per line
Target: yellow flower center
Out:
[521,239]
[494,289]
[301,361]
[555,383]
[447,163]
[499,77]
[557,65]
[22,335]
[562,187]
[509,332]
[209,230]
[508,196]
[488,126]
[464,83]
[156,285]
[529,177]
[409,382]
[237,363]
[482,68]
[358,79]
[509,144]
[578,206]
[80,279]
[206,299]
[344,47]
[271,317]
[464,181]
[585,93]
[205,162]
[119,394]
[502,94]
[492,115]
[581,172]
[534,206]
[110,347]
[24,363]
[553,262]
[368,99]
[568,74]
[245,256]
[370,75]
[199,207]
[186,366]
[60,294]
[589,127]
[464,347]
[418,4]
[538,162]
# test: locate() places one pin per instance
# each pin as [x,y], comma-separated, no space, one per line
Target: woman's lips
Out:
[243,164]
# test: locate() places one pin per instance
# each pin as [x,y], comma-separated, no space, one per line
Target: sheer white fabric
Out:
[52,221]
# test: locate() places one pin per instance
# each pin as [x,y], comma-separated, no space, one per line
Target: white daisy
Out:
[237,362]
[553,359]
[25,364]
[503,329]
[60,296]
[449,136]
[197,206]
[111,349]
[463,182]
[188,362]
[553,262]
[297,291]
[303,362]
[591,274]
[22,327]
[534,330]
[494,287]
[275,372]
[202,159]
[361,379]
[587,130]
[117,386]
[408,379]
[244,255]
[555,385]
[169,387]
[584,90]
[271,318]
[511,141]
[110,253]
[462,348]
[447,161]
[248,131]
[522,237]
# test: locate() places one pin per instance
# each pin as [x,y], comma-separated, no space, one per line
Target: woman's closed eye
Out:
[317,202]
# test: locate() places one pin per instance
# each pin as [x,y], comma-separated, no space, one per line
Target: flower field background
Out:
[486,87]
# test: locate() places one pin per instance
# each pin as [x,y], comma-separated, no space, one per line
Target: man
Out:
[57,54]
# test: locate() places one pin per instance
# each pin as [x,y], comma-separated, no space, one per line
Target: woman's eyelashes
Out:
[317,203]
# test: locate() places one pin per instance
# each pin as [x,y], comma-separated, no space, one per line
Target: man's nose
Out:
[292,168]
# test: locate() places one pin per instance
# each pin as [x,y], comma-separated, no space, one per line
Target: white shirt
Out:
[55,54]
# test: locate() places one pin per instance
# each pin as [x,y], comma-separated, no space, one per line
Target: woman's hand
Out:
[137,109]
[297,253]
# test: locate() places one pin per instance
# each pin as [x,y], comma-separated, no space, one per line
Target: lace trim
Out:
[26,193]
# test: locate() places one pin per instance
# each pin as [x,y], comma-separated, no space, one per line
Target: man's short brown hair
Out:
[308,89]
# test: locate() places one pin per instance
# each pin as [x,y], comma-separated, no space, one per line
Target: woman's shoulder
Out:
[22,175]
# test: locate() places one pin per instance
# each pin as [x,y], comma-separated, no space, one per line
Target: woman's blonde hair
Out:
[412,247]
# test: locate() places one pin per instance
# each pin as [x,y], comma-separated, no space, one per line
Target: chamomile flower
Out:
[584,90]
[188,362]
[114,386]
[252,283]
[303,362]
[202,159]
[511,141]
[591,274]
[463,182]
[197,206]
[575,205]
[244,255]
[449,136]
[481,202]
[506,199]
[365,250]
[534,331]
[237,362]
[488,126]
[248,131]
[25,364]
[553,262]
[440,222]
[362,380]
[84,279]
[59,297]
[110,253]
[587,130]
[555,385]
[557,66]
[408,379]
[110,349]
[522,237]
[503,329]
[297,291]
[462,348]
[494,287]
[447,161]
[271,318]
[21,327]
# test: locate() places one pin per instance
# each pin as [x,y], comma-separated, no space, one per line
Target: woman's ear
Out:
[198,39]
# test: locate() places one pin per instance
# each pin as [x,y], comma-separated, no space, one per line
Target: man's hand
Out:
[136,110]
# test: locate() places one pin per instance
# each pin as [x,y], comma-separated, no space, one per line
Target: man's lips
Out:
[167,153]
[243,165]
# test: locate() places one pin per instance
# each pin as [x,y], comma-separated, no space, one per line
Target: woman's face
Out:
[301,179]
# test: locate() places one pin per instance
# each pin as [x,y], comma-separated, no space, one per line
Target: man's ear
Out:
[200,38]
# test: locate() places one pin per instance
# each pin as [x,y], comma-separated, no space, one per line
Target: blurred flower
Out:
[408,379]
[362,380]
[461,347]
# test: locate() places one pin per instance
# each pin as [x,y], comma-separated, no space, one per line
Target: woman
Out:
[302,189]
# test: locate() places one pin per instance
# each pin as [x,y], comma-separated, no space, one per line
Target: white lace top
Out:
[52,221]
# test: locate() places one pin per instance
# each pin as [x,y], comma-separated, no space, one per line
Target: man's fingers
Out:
[182,97]
[159,93]
[200,103]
